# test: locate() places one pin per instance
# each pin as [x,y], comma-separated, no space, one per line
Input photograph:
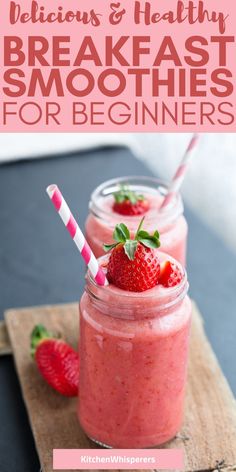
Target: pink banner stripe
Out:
[103,459]
[72,226]
[86,252]
[57,199]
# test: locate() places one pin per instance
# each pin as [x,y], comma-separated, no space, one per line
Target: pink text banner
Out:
[140,66]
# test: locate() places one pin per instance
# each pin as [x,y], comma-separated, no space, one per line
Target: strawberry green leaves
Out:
[130,248]
[122,236]
[38,334]
[148,240]
[109,247]
[125,194]
[121,233]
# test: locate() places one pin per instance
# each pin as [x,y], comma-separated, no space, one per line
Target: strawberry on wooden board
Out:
[133,263]
[57,362]
[170,275]
[129,203]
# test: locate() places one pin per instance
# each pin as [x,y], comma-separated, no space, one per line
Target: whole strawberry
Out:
[57,362]
[133,264]
[129,203]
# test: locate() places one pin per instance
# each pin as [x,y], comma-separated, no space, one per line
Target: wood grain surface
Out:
[208,435]
[5,345]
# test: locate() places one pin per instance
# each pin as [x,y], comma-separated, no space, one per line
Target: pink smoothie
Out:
[133,353]
[171,223]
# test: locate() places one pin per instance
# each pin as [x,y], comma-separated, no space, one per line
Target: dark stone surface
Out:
[39,265]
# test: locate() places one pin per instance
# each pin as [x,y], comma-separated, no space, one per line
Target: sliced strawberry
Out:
[133,264]
[129,203]
[171,274]
[57,362]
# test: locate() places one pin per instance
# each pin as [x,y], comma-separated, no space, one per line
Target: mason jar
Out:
[133,363]
[170,222]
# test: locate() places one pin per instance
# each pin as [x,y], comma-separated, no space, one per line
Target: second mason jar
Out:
[133,362]
[170,222]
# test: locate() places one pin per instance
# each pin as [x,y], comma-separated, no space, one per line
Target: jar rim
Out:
[158,186]
[166,299]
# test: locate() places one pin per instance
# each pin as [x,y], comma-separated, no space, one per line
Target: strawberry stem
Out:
[38,334]
[139,228]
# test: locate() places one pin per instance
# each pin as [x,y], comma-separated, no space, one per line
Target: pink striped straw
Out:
[181,171]
[64,212]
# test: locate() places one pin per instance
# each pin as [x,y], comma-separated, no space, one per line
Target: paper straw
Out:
[76,234]
[181,171]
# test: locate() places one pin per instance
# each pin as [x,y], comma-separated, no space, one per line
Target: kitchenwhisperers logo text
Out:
[163,459]
[118,66]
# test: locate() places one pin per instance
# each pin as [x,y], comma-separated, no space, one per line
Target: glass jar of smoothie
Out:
[170,221]
[133,363]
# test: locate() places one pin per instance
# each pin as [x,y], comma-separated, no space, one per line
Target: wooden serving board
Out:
[208,436]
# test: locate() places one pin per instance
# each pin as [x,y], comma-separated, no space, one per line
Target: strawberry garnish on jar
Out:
[171,274]
[129,203]
[133,263]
